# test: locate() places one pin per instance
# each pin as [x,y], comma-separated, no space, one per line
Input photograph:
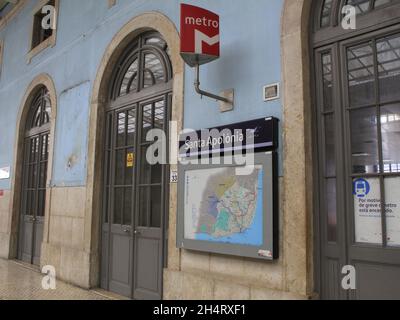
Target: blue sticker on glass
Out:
[361,188]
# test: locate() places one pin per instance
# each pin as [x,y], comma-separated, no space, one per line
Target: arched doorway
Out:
[34,177]
[135,192]
[357,117]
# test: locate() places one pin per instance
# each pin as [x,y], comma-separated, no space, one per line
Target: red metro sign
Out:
[200,42]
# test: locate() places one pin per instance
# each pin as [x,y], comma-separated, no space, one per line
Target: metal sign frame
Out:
[269,250]
[265,133]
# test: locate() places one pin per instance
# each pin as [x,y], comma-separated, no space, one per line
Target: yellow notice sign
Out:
[130,160]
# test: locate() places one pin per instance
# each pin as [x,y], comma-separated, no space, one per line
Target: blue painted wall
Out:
[250,45]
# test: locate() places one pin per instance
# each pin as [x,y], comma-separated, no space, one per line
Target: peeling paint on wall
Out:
[71,136]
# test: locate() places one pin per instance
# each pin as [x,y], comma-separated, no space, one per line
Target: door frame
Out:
[145,22]
[363,251]
[324,249]
[41,80]
[371,25]
[34,260]
[166,97]
[153,96]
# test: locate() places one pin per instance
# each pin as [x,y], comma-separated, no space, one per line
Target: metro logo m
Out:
[200,37]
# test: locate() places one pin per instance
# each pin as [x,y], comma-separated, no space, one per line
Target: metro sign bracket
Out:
[226,101]
[200,44]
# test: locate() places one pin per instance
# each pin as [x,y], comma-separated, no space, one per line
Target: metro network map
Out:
[223,207]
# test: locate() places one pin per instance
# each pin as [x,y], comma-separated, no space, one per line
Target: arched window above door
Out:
[326,13]
[330,11]
[135,181]
[35,163]
[40,112]
[146,64]
[365,6]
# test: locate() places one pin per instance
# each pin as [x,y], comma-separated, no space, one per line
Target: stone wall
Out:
[5,227]
[64,247]
[211,276]
[194,286]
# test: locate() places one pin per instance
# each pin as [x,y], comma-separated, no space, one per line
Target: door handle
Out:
[126,230]
[137,232]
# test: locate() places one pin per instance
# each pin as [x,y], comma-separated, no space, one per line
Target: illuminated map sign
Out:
[224,212]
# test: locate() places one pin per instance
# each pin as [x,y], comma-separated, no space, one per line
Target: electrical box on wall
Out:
[271,92]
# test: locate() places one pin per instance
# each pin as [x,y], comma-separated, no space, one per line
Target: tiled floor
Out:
[20,282]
